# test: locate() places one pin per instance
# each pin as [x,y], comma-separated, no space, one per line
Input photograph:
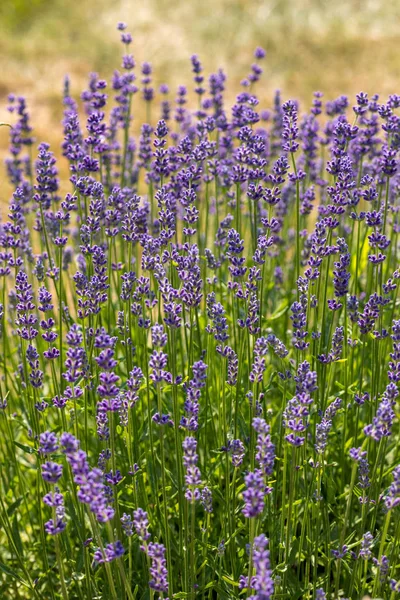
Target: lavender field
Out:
[200,342]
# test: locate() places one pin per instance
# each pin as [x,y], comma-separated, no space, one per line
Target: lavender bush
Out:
[200,347]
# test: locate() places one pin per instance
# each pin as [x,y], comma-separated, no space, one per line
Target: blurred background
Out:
[339,47]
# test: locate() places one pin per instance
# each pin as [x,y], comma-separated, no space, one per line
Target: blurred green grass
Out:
[337,48]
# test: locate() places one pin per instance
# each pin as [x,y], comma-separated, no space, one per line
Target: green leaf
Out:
[26,449]
[230,581]
[13,507]
[13,574]
[279,311]
[16,536]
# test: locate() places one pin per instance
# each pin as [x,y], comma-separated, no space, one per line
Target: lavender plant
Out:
[200,346]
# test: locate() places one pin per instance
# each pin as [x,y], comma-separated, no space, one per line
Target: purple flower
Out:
[133,385]
[158,569]
[193,393]
[254,494]
[216,313]
[383,566]
[92,490]
[258,367]
[340,553]
[47,182]
[141,524]
[290,130]
[360,456]
[51,472]
[278,347]
[265,449]
[158,336]
[340,272]
[394,585]
[237,451]
[198,77]
[297,409]
[111,552]
[382,423]
[69,443]
[206,499]
[366,543]
[324,427]
[192,476]
[262,583]
[259,53]
[299,322]
[163,419]
[158,361]
[48,443]
[57,524]
[392,498]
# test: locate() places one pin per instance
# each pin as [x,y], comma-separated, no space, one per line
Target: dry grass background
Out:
[338,47]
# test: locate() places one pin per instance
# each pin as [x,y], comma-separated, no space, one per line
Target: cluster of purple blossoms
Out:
[111,552]
[51,473]
[47,325]
[75,361]
[383,421]
[366,543]
[107,390]
[324,427]
[193,391]
[298,408]
[155,552]
[139,278]
[133,384]
[141,524]
[19,166]
[383,566]
[233,363]
[259,364]
[25,321]
[192,475]
[294,418]
[392,498]
[341,273]
[341,552]
[265,449]
[216,313]
[336,349]
[36,374]
[157,363]
[206,499]
[299,322]
[48,443]
[394,363]
[360,456]
[158,569]
[55,500]
[237,451]
[367,318]
[92,489]
[290,130]
[278,347]
[254,494]
[262,583]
